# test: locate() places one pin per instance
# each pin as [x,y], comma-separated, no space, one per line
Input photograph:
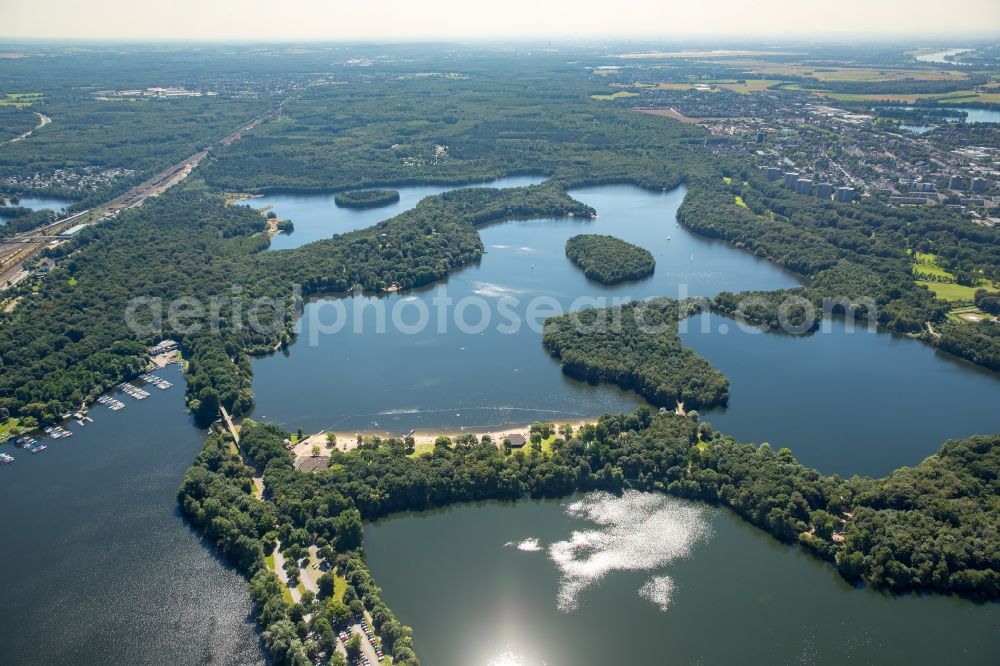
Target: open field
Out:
[845,74]
[19,100]
[617,95]
[926,264]
[958,97]
[950,292]
[670,113]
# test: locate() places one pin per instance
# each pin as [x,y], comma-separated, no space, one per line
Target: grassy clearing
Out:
[9,428]
[932,270]
[617,95]
[421,449]
[950,292]
[339,586]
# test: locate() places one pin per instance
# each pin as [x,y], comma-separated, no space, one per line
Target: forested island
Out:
[609,260]
[636,347]
[366,198]
[925,528]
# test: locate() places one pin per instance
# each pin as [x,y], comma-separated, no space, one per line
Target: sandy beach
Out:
[349,440]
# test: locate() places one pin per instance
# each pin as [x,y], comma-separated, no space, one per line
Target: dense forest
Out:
[366,198]
[636,347]
[609,260]
[932,527]
[15,121]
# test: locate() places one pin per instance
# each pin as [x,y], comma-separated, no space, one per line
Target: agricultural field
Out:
[957,97]
[20,100]
[844,74]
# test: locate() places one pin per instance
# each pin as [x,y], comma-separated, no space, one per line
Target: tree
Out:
[353,647]
[315,451]
[331,440]
[326,584]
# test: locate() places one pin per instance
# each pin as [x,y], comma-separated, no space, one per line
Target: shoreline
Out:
[348,440]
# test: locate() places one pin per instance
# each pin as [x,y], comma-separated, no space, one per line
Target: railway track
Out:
[18,249]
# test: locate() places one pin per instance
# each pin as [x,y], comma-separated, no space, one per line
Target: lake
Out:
[444,377]
[849,403]
[974,114]
[38,203]
[98,565]
[657,581]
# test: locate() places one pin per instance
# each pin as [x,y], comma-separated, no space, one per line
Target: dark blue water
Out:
[97,565]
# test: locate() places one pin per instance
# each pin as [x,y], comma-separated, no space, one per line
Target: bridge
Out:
[229,425]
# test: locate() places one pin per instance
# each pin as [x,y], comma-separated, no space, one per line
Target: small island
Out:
[609,260]
[366,198]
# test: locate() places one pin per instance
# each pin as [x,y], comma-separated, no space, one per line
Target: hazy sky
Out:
[472,19]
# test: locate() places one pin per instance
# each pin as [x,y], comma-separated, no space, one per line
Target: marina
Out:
[33,442]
